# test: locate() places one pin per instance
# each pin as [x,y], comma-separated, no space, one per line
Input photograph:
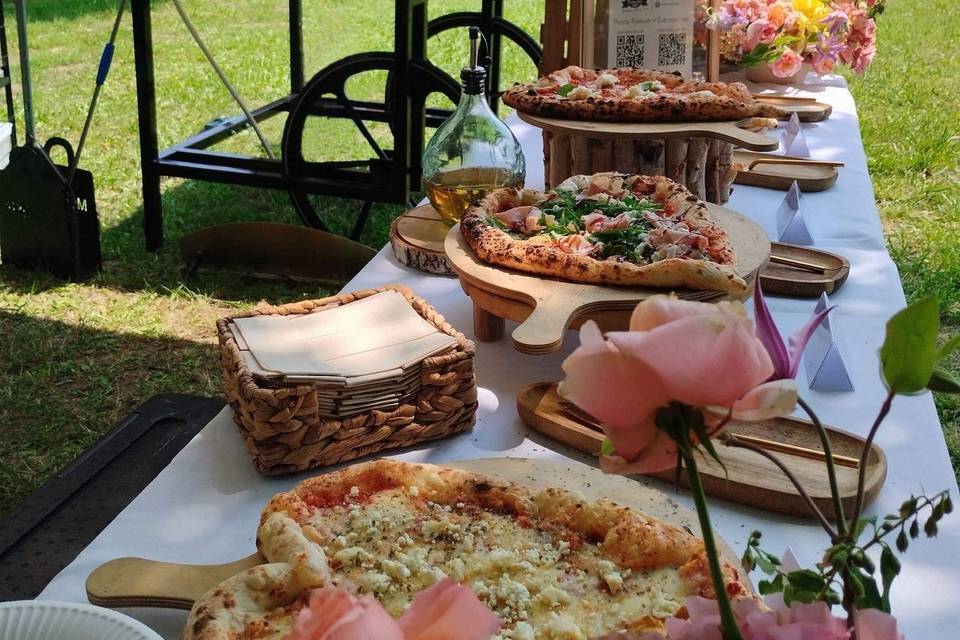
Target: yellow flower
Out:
[813,10]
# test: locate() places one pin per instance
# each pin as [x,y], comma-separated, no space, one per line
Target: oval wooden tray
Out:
[547,307]
[806,110]
[136,582]
[749,478]
[780,172]
[726,131]
[417,240]
[802,272]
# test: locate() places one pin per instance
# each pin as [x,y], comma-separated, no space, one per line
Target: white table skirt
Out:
[204,507]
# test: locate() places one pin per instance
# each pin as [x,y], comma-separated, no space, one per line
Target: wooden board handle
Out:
[544,329]
[136,582]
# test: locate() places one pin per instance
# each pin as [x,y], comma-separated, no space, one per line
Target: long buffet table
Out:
[204,507]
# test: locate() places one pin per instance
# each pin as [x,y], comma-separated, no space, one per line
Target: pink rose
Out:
[760,31]
[798,622]
[334,614]
[787,64]
[703,355]
[448,610]
[445,610]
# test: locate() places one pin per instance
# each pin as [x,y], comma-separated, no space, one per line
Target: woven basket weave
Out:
[281,425]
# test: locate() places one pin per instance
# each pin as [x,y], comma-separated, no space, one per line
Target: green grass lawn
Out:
[74,358]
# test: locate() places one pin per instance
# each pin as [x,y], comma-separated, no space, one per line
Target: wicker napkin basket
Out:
[281,425]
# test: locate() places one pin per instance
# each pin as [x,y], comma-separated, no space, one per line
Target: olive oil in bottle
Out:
[452,192]
[473,152]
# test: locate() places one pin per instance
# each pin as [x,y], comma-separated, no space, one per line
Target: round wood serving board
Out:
[726,131]
[803,272]
[780,172]
[746,477]
[136,582]
[547,307]
[806,110]
[417,240]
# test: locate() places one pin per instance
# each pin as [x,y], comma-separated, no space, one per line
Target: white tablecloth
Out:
[204,507]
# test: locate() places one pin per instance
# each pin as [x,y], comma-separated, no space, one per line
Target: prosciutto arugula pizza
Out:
[608,228]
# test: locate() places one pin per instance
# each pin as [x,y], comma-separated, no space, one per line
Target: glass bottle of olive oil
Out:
[473,152]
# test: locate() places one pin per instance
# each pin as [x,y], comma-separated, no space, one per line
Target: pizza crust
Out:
[676,103]
[535,255]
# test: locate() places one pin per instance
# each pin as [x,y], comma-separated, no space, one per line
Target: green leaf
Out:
[766,587]
[909,350]
[606,448]
[565,89]
[914,531]
[943,381]
[948,347]
[806,580]
[765,564]
[889,569]
[870,598]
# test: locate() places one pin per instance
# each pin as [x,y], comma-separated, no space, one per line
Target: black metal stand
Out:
[389,176]
[6,82]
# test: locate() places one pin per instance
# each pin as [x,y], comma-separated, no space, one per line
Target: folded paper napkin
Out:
[360,356]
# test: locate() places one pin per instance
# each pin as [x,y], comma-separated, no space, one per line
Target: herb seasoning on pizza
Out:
[608,228]
[635,95]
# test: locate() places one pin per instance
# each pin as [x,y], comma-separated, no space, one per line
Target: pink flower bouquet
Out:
[785,34]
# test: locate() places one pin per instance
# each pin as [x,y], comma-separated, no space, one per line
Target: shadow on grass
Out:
[192,205]
[65,385]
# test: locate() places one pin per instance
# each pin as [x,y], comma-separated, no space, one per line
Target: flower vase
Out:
[763,73]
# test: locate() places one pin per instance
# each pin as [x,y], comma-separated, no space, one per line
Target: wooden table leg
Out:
[486,326]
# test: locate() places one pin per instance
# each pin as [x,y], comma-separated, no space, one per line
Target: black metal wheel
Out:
[380,178]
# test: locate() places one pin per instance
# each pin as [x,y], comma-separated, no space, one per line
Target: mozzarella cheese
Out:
[606,80]
[540,584]
[636,93]
[580,93]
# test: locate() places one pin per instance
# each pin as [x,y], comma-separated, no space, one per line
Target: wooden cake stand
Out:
[695,154]
[547,307]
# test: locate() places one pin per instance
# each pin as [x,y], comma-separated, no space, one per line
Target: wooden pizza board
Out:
[726,131]
[136,582]
[802,272]
[807,110]
[417,240]
[780,172]
[546,307]
[749,478]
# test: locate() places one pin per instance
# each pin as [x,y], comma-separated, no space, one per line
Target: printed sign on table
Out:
[654,34]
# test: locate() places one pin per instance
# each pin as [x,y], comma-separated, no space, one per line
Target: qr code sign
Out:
[672,50]
[630,50]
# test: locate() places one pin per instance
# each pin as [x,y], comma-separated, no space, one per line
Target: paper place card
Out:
[822,360]
[791,227]
[792,140]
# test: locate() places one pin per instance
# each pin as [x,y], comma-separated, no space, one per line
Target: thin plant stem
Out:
[733,441]
[867,445]
[831,468]
[728,624]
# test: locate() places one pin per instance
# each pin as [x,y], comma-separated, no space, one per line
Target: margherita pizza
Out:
[635,95]
[549,564]
[608,228]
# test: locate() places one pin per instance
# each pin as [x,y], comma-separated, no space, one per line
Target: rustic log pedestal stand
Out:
[695,154]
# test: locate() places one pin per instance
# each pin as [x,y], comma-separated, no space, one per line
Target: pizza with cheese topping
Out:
[635,95]
[550,564]
[608,228]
